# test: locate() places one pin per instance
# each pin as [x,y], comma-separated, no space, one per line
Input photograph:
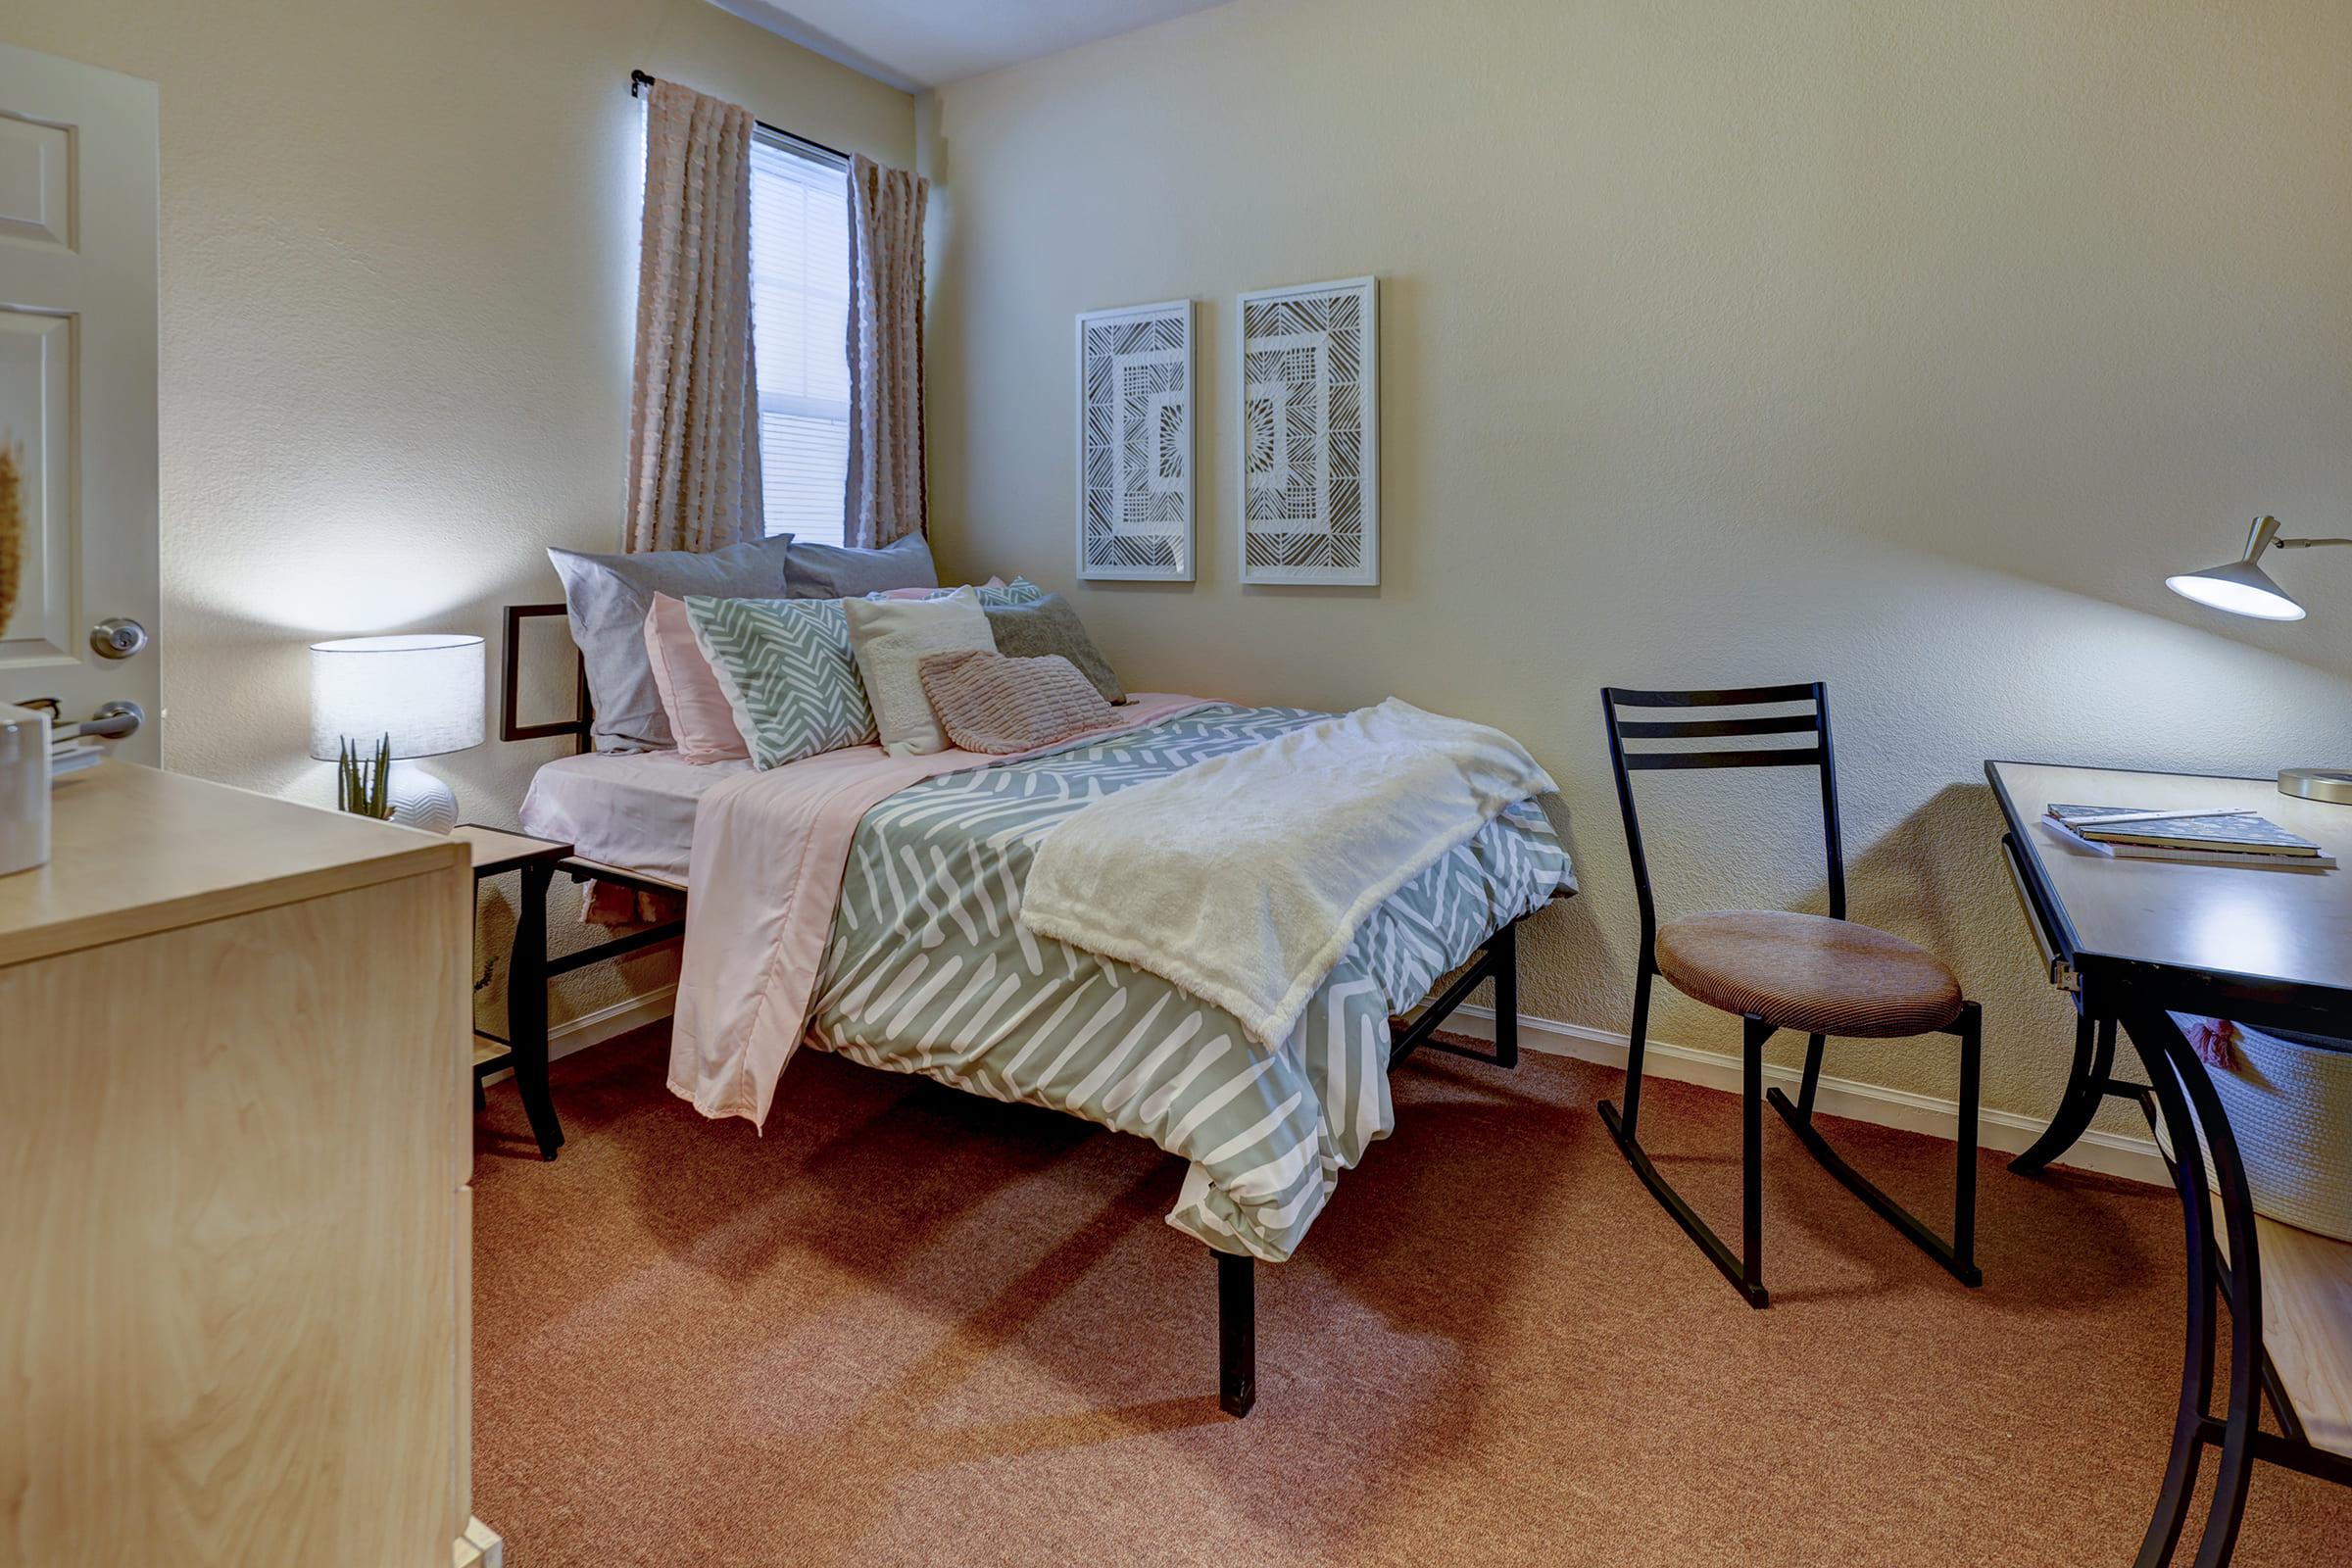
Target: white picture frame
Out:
[1308,477]
[1134,451]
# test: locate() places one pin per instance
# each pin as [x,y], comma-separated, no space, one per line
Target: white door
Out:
[77,250]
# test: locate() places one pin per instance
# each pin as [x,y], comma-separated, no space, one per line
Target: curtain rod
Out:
[641,78]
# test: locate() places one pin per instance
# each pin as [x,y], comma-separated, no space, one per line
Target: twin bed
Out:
[910,959]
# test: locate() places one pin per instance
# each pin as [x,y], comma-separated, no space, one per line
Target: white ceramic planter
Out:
[24,789]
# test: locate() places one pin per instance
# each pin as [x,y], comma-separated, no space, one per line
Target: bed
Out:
[925,970]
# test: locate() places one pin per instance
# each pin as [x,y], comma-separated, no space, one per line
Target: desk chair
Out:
[1779,970]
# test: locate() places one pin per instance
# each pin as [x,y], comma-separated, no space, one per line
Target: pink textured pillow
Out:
[700,719]
[988,702]
[926,593]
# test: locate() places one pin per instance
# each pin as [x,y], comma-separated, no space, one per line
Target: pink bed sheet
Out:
[764,874]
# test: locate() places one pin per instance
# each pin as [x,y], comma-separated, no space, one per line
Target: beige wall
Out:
[1901,345]
[399,274]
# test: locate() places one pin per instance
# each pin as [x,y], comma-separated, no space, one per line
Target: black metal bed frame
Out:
[577,727]
[1237,1277]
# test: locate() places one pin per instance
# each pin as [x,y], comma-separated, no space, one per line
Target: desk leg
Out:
[2186,1099]
[526,1009]
[2094,1060]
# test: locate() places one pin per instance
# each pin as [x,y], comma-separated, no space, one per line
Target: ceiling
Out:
[913,44]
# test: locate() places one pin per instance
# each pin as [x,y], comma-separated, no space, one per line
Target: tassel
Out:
[2211,1039]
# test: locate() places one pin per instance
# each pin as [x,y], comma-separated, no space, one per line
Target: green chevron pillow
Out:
[1019,591]
[788,672]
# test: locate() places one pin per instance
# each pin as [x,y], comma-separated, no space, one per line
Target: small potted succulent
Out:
[360,786]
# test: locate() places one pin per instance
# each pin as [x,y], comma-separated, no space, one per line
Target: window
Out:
[800,323]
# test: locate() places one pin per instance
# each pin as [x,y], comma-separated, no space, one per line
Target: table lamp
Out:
[422,691]
[2242,588]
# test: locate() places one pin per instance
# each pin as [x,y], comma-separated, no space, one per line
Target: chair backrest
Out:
[1814,752]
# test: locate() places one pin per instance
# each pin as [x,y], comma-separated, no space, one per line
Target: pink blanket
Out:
[764,875]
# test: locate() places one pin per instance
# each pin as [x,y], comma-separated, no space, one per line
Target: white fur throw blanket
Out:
[1242,879]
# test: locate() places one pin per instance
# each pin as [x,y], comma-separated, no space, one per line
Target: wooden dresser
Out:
[234,1212]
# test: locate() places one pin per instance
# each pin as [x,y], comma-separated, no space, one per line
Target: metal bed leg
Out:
[1237,1333]
[1502,958]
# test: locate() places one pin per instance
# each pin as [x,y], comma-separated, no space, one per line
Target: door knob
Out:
[114,721]
[117,637]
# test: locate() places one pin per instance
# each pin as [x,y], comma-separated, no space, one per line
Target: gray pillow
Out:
[836,572]
[608,598]
[1048,625]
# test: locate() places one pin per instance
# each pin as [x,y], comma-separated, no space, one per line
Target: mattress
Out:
[634,809]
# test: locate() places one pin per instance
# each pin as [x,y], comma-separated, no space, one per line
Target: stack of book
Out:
[70,756]
[2208,838]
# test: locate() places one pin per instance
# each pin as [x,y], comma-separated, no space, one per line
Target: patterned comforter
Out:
[927,970]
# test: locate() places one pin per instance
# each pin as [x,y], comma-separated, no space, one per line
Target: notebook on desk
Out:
[2204,838]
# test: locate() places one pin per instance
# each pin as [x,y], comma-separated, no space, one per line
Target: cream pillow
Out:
[888,638]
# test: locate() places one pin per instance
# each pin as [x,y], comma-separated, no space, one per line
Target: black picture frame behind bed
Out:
[509,681]
[1237,1275]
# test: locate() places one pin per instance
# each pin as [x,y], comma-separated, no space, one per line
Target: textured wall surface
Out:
[398,286]
[1902,345]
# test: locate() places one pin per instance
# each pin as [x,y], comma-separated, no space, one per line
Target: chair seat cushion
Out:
[1809,973]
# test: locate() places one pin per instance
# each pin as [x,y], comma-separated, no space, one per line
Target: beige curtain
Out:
[885,499]
[694,409]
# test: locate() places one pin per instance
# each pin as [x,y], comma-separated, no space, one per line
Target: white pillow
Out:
[888,638]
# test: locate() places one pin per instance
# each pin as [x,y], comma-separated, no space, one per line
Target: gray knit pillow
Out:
[607,597]
[987,703]
[1048,625]
[839,572]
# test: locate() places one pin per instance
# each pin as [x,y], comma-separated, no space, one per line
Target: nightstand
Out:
[524,1049]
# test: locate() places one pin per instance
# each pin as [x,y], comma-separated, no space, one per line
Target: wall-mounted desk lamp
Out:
[2242,588]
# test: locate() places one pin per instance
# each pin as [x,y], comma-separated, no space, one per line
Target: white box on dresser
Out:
[234,1202]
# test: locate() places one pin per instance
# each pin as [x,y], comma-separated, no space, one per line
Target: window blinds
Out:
[800,322]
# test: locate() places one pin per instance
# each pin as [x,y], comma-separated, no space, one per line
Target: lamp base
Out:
[419,800]
[2330,784]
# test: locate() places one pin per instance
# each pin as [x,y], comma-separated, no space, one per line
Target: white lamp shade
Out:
[423,689]
[2240,588]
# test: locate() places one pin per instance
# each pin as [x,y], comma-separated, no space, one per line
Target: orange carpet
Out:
[912,1326]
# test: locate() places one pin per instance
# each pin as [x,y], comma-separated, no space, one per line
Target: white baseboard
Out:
[605,1023]
[2004,1131]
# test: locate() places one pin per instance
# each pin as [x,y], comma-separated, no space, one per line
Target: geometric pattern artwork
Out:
[1310,434]
[1135,442]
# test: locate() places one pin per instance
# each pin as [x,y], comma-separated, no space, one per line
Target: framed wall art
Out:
[1310,434]
[1135,443]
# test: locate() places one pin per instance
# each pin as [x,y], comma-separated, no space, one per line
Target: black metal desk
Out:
[2135,940]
